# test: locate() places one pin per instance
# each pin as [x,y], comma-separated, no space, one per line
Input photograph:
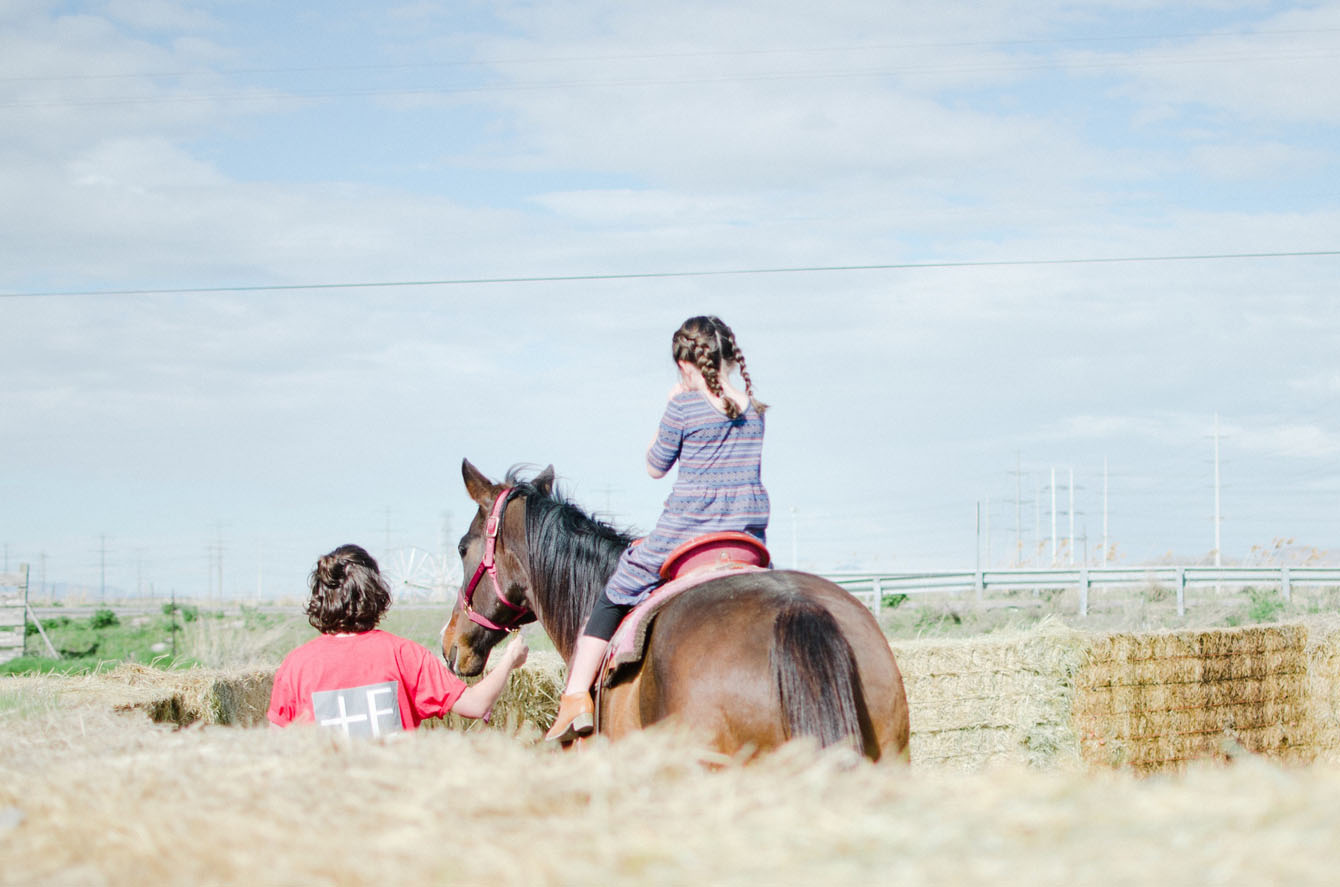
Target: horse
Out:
[747,661]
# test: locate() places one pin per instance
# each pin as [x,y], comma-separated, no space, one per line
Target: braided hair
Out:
[708,344]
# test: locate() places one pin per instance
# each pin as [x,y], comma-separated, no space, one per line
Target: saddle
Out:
[697,561]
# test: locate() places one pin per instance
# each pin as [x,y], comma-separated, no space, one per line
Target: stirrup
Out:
[576,717]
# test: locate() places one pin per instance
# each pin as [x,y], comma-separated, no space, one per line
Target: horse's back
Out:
[710,664]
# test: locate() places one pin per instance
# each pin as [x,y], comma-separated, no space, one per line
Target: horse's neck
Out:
[564,612]
[568,583]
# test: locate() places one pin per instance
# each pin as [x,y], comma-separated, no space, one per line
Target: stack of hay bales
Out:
[241,696]
[1050,697]
[1147,702]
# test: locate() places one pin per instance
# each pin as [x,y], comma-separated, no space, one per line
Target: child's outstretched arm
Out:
[477,700]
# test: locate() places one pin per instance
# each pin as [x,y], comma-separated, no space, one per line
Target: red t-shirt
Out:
[350,678]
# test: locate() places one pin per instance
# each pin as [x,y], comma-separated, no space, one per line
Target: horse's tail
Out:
[815,671]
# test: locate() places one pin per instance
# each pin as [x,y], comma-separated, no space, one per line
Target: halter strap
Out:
[488,564]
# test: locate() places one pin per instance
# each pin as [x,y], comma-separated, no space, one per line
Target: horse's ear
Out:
[544,481]
[479,487]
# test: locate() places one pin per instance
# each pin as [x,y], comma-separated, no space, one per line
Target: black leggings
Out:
[605,618]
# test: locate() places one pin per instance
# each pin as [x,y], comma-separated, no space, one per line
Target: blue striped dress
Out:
[718,487]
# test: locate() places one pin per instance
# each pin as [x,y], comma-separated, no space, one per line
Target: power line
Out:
[520,86]
[655,275]
[660,56]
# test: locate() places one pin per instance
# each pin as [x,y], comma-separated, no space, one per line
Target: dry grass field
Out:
[94,792]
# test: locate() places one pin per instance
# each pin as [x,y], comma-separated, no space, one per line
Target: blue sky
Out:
[148,144]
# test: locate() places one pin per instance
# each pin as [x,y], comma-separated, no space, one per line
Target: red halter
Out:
[488,565]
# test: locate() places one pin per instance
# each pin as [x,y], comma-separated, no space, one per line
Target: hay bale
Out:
[1147,702]
[527,706]
[1155,701]
[1323,679]
[237,697]
[995,699]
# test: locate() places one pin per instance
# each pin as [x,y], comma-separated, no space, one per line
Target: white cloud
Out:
[160,15]
[1271,75]
[1325,383]
[1258,161]
[1266,435]
[1292,440]
[921,383]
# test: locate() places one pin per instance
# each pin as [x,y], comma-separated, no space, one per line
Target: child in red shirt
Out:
[363,681]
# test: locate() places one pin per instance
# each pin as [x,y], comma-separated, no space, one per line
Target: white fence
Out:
[872,587]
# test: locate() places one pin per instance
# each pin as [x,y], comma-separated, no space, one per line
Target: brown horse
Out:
[748,660]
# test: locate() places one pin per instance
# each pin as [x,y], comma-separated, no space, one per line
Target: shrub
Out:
[1266,605]
[103,618]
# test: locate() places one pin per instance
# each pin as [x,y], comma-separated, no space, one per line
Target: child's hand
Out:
[516,651]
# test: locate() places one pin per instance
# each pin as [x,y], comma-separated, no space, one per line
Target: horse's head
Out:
[495,594]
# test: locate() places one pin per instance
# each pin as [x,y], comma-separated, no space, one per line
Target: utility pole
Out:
[1070,539]
[795,540]
[448,544]
[987,517]
[608,490]
[1218,515]
[1053,495]
[219,563]
[977,561]
[1037,517]
[1018,510]
[102,572]
[448,553]
[1105,542]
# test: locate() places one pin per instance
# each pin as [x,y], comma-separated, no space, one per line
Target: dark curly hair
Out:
[348,592]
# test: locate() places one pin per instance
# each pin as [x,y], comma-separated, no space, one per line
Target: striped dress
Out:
[718,487]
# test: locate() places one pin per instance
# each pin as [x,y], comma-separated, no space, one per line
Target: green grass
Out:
[100,641]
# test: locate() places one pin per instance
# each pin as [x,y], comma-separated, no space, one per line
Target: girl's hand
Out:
[516,651]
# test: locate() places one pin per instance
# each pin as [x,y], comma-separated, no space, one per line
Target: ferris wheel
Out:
[418,575]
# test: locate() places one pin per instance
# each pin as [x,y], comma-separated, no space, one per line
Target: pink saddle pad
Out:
[630,638]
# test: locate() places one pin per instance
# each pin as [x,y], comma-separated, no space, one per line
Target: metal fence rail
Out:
[871,587]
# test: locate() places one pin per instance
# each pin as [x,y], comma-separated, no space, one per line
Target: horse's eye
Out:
[462,548]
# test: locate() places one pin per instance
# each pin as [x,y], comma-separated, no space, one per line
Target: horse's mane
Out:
[572,556]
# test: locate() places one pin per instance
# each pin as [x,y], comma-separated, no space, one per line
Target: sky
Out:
[269,272]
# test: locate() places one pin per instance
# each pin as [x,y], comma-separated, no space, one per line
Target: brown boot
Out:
[576,717]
